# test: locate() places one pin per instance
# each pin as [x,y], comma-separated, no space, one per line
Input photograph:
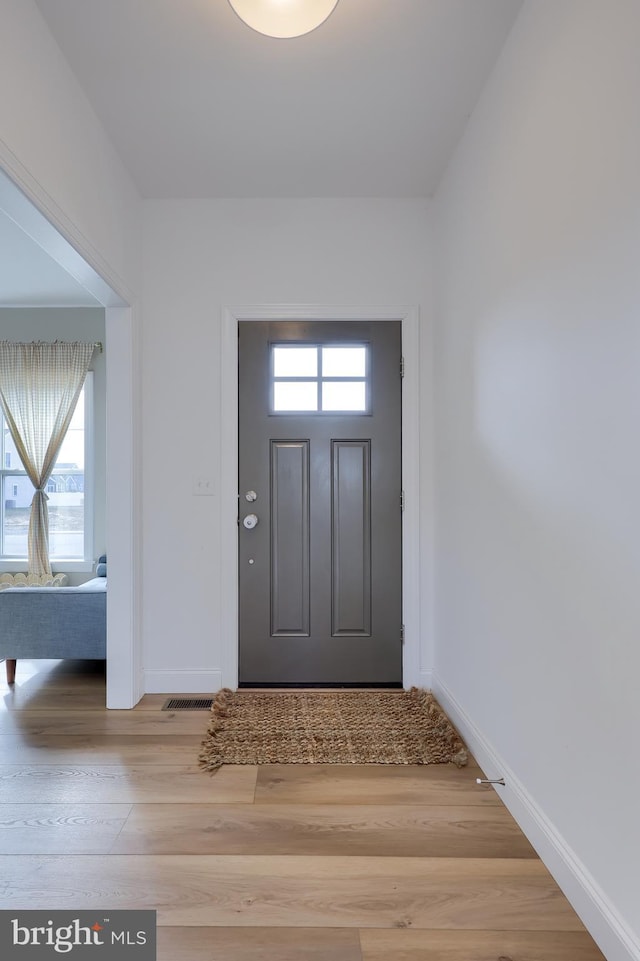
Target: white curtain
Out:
[39,389]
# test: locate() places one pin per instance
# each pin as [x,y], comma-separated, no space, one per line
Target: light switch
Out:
[203,485]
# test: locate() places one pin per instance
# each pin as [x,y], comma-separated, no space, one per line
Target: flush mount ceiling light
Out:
[283,18]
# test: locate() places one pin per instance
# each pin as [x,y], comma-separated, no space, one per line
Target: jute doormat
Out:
[340,727]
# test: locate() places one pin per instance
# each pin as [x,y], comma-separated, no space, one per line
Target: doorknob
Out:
[250,521]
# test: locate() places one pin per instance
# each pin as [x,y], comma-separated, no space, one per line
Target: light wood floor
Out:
[280,863]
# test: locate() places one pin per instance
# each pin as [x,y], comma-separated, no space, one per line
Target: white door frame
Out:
[229,589]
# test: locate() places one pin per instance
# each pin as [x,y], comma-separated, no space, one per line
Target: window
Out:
[320,379]
[69,491]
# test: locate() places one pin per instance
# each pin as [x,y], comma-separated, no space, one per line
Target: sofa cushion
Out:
[32,580]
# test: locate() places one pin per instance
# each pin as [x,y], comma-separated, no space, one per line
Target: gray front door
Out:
[320,503]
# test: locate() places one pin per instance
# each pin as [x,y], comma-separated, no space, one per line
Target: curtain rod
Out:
[98,345]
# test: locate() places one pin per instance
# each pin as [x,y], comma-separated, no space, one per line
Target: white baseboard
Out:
[182,682]
[424,680]
[612,934]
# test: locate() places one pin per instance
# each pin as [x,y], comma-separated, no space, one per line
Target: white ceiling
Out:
[372,103]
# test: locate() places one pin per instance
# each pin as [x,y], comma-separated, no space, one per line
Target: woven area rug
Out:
[340,727]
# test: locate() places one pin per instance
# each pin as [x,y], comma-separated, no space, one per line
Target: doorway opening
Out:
[21,203]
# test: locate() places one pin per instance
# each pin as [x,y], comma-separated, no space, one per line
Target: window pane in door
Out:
[344,395]
[344,361]
[295,361]
[295,395]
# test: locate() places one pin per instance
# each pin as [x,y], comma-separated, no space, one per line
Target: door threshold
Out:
[325,686]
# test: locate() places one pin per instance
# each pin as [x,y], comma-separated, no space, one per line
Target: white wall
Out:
[538,453]
[53,144]
[199,257]
[71,323]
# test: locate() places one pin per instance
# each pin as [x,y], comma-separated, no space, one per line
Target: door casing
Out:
[414,619]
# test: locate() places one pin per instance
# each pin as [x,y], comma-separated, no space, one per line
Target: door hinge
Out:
[402,366]
[402,500]
[402,633]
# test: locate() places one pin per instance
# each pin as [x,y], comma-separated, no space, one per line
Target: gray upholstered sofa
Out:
[54,622]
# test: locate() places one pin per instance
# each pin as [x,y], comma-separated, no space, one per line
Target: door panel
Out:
[290,538]
[320,572]
[351,537]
